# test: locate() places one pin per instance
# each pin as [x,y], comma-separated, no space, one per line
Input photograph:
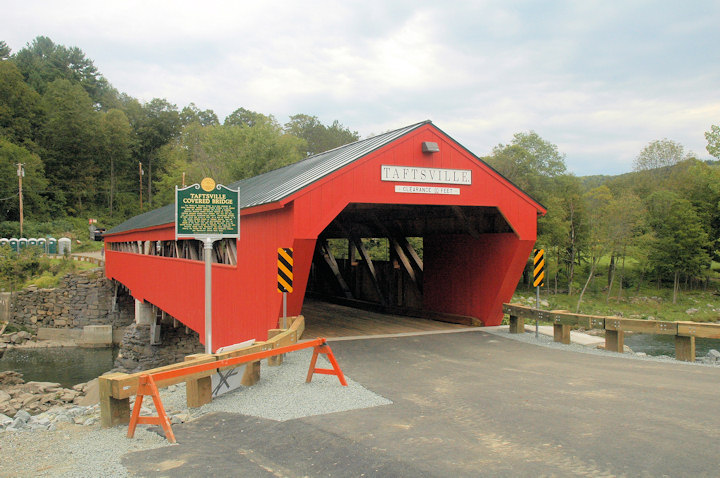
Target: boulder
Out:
[713,355]
[23,416]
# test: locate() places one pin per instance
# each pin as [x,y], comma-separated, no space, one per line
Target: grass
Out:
[649,303]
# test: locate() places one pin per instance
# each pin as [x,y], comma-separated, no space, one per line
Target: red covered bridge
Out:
[477,232]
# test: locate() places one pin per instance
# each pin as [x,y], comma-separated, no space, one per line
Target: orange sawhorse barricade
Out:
[147,386]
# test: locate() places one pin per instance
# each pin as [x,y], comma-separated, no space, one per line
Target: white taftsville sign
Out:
[412,174]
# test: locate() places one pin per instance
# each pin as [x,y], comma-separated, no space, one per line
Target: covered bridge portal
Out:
[477,232]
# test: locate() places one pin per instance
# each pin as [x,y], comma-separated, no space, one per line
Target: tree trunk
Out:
[149,191]
[112,183]
[587,282]
[611,278]
[572,252]
[622,275]
[676,285]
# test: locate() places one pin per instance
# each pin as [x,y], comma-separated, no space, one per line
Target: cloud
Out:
[599,79]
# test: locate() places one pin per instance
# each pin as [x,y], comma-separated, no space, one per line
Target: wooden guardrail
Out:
[147,384]
[117,388]
[615,328]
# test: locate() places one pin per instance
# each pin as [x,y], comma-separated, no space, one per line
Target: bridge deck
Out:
[323,319]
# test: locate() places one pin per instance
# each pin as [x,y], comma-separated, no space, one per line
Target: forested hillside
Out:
[88,150]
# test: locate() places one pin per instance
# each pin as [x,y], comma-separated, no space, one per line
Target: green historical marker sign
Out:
[207,210]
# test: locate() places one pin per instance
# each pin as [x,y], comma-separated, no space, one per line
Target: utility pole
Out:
[20,173]
[141,175]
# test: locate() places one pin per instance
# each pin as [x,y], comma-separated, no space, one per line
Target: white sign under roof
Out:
[413,174]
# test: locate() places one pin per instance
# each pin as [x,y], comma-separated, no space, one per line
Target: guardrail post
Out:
[251,375]
[517,324]
[685,348]
[198,391]
[275,360]
[615,340]
[113,411]
[561,333]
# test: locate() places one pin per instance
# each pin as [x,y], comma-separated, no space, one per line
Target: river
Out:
[67,366]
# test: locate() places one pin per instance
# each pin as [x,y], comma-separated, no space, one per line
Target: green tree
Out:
[4,51]
[192,114]
[654,164]
[34,183]
[20,110]
[626,220]
[226,153]
[530,162]
[681,242]
[42,62]
[713,139]
[155,123]
[599,222]
[115,151]
[319,138]
[243,117]
[71,140]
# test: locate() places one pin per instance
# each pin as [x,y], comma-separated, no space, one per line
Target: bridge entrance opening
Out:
[390,259]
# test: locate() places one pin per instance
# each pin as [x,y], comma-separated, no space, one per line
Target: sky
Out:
[600,79]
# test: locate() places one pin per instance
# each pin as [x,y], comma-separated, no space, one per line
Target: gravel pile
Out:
[547,341]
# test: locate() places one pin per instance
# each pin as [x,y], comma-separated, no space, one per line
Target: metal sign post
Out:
[538,280]
[207,212]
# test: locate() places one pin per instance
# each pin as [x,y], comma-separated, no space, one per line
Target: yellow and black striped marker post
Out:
[538,280]
[285,269]
[285,276]
[539,268]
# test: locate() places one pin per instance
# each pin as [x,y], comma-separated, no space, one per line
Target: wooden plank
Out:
[685,348]
[641,326]
[561,333]
[520,311]
[697,329]
[517,325]
[126,386]
[615,340]
[251,375]
[370,267]
[327,256]
[275,360]
[198,391]
[113,411]
[466,222]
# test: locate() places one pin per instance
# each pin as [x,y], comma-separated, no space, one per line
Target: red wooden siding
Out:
[463,275]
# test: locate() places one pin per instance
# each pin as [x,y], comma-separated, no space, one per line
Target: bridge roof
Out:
[280,183]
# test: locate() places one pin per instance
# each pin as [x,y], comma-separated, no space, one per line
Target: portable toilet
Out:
[32,242]
[4,242]
[52,245]
[42,244]
[22,243]
[13,244]
[64,245]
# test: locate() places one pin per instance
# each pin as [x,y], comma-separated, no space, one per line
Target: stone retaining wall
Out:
[136,352]
[80,299]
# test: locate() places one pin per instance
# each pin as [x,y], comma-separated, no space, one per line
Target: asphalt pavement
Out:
[472,404]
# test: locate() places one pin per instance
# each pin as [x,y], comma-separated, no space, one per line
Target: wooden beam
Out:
[465,221]
[370,267]
[517,325]
[615,341]
[561,333]
[113,411]
[685,348]
[326,254]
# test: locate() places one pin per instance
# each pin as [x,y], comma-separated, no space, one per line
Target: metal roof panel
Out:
[280,183]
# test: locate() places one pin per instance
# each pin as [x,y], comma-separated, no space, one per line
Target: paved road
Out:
[472,404]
